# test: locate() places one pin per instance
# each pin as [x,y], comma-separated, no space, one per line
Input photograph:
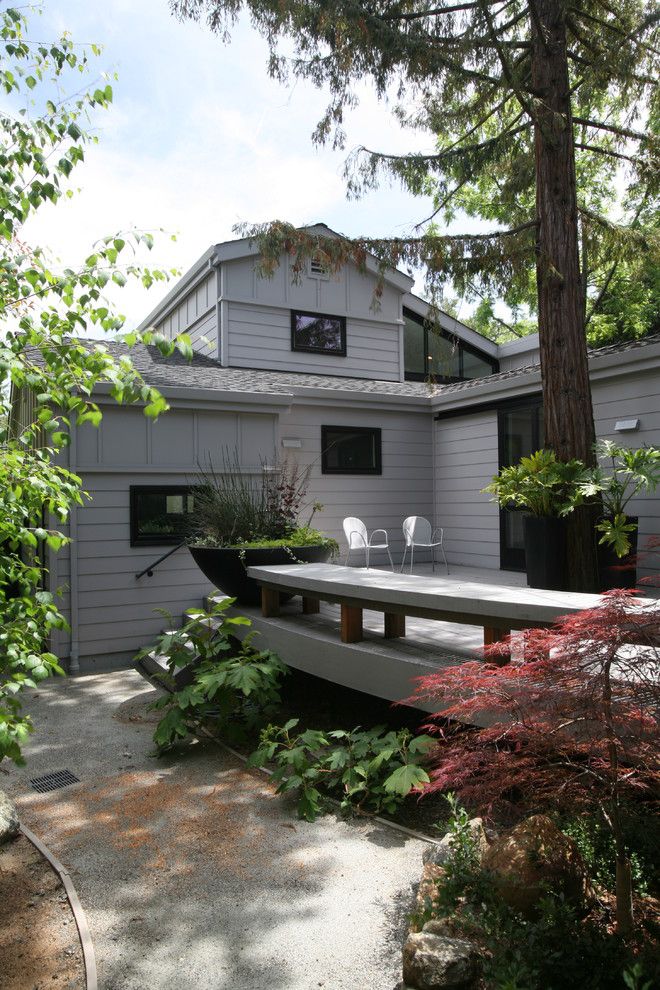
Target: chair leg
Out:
[367,558]
[403,562]
[390,556]
[442,547]
[412,556]
[348,557]
[433,560]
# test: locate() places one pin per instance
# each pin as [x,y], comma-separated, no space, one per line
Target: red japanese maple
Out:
[572,723]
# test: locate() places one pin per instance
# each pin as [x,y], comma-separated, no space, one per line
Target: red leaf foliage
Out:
[573,722]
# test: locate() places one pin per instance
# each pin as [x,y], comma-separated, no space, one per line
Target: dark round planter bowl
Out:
[226,567]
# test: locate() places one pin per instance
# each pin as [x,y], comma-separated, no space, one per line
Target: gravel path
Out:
[192,872]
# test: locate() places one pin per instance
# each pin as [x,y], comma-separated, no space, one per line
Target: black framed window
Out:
[318,333]
[433,353]
[351,450]
[161,515]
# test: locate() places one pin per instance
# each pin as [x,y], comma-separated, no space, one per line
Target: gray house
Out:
[289,368]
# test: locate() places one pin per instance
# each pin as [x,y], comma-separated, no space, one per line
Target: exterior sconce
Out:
[626,425]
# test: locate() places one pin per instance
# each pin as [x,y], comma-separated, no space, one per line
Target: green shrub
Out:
[554,951]
[364,769]
[235,688]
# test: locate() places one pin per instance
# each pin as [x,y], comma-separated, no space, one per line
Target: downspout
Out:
[74,655]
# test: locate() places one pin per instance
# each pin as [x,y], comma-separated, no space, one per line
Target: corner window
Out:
[430,352]
[161,515]
[350,450]
[318,333]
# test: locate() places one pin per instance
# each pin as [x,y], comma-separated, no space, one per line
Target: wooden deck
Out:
[381,667]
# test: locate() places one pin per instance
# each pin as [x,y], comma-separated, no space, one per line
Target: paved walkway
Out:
[192,872]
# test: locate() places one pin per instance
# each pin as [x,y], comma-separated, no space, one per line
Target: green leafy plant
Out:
[556,948]
[364,769]
[47,375]
[540,483]
[234,687]
[631,471]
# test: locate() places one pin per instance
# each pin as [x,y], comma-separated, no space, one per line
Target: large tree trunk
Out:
[567,409]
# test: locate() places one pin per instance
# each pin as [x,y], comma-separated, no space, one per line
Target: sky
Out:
[199,138]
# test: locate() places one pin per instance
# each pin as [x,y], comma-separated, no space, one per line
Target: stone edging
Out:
[86,944]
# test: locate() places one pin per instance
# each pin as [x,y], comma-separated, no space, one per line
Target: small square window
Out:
[350,450]
[318,333]
[161,515]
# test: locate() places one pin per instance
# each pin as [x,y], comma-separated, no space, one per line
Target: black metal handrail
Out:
[150,569]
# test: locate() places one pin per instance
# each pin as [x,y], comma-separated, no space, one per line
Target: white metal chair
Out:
[417,532]
[359,539]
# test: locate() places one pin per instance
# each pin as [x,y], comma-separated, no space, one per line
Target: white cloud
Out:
[199,138]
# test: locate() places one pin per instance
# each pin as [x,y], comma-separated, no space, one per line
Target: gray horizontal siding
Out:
[466,458]
[261,338]
[630,397]
[404,488]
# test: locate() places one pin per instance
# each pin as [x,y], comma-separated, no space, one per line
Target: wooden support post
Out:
[351,624]
[270,602]
[493,634]
[395,625]
[311,605]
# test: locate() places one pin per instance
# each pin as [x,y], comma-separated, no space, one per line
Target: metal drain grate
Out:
[53,781]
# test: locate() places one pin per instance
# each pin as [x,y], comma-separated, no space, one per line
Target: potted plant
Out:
[630,472]
[243,520]
[547,489]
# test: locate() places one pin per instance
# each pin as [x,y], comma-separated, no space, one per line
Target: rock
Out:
[436,962]
[442,852]
[438,926]
[535,857]
[427,892]
[9,822]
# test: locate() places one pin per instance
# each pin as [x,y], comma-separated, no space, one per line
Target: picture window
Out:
[161,515]
[351,450]
[318,333]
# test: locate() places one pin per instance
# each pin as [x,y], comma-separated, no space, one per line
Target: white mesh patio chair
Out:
[417,532]
[358,538]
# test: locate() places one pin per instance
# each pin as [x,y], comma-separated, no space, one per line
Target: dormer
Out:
[318,323]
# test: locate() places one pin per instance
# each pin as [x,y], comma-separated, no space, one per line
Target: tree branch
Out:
[621,131]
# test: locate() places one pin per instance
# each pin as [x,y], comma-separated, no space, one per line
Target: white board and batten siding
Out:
[258,314]
[195,314]
[115,613]
[383,501]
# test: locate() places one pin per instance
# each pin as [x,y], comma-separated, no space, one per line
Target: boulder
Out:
[427,892]
[9,822]
[437,962]
[440,853]
[535,857]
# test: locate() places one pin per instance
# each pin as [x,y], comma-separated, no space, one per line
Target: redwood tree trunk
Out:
[567,409]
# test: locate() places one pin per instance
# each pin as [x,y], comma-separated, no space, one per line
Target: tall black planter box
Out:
[545,552]
[226,567]
[618,572]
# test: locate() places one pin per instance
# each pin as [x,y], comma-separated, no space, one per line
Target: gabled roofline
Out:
[245,247]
